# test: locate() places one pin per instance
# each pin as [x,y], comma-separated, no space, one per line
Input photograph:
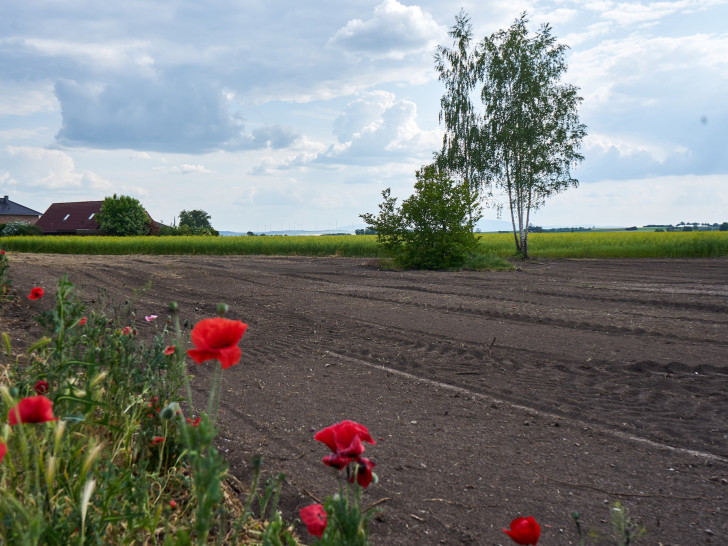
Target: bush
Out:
[432,229]
[20,227]
[124,216]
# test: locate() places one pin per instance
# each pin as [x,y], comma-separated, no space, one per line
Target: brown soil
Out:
[561,386]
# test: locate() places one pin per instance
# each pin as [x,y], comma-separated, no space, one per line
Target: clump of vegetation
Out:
[124,216]
[20,228]
[433,228]
[100,447]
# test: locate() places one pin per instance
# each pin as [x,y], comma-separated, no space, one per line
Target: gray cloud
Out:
[173,114]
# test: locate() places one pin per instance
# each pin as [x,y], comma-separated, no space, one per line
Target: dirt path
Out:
[563,386]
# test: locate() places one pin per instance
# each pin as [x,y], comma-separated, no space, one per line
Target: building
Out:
[13,212]
[77,218]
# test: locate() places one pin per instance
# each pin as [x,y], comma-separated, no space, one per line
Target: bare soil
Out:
[565,385]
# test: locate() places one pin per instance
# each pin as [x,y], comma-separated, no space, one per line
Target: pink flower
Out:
[41,386]
[36,293]
[169,351]
[524,531]
[33,409]
[217,338]
[314,517]
[150,318]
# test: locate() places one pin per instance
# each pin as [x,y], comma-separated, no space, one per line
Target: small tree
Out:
[123,215]
[531,128]
[195,222]
[432,229]
[195,219]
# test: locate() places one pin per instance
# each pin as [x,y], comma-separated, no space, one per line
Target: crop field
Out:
[541,245]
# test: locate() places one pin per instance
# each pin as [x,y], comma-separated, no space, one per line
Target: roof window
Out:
[66,217]
[92,215]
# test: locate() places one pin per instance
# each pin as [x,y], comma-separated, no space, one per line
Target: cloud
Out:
[40,168]
[376,128]
[629,13]
[19,99]
[173,113]
[395,30]
[189,169]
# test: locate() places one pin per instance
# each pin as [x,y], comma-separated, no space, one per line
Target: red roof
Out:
[79,217]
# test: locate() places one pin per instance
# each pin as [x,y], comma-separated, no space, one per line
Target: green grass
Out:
[700,244]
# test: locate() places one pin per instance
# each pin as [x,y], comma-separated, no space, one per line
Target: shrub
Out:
[20,227]
[432,229]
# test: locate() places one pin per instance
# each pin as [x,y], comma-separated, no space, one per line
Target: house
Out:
[13,212]
[78,218]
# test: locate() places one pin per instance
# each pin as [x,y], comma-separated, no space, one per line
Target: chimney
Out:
[4,200]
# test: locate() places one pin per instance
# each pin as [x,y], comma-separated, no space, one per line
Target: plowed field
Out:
[565,385]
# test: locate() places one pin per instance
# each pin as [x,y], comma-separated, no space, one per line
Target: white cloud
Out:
[40,168]
[628,13]
[22,99]
[657,200]
[394,31]
[189,169]
[630,146]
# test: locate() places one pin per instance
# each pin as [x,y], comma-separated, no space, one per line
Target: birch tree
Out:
[531,128]
[461,143]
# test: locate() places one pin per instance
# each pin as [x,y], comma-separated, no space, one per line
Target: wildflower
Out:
[173,504]
[150,318]
[339,437]
[158,440]
[217,338]
[36,293]
[126,330]
[524,531]
[195,423]
[2,253]
[33,409]
[314,517]
[169,350]
[41,386]
[363,472]
[83,321]
[3,447]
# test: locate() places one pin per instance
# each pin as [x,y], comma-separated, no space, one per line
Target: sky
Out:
[283,115]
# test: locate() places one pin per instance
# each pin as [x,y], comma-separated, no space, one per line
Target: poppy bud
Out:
[222,308]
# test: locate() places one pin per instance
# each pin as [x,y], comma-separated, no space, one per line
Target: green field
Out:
[698,244]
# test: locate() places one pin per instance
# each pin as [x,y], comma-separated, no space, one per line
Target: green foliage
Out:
[462,146]
[433,228]
[365,231]
[195,219]
[186,231]
[123,216]
[5,281]
[20,227]
[121,465]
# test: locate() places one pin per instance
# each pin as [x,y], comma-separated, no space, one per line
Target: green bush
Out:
[433,228]
[20,227]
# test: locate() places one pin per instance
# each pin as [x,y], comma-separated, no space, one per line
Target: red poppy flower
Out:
[3,451]
[339,437]
[364,474]
[126,330]
[157,440]
[173,503]
[195,423]
[2,253]
[217,338]
[41,386]
[36,293]
[83,321]
[314,517]
[524,531]
[169,350]
[336,461]
[33,409]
